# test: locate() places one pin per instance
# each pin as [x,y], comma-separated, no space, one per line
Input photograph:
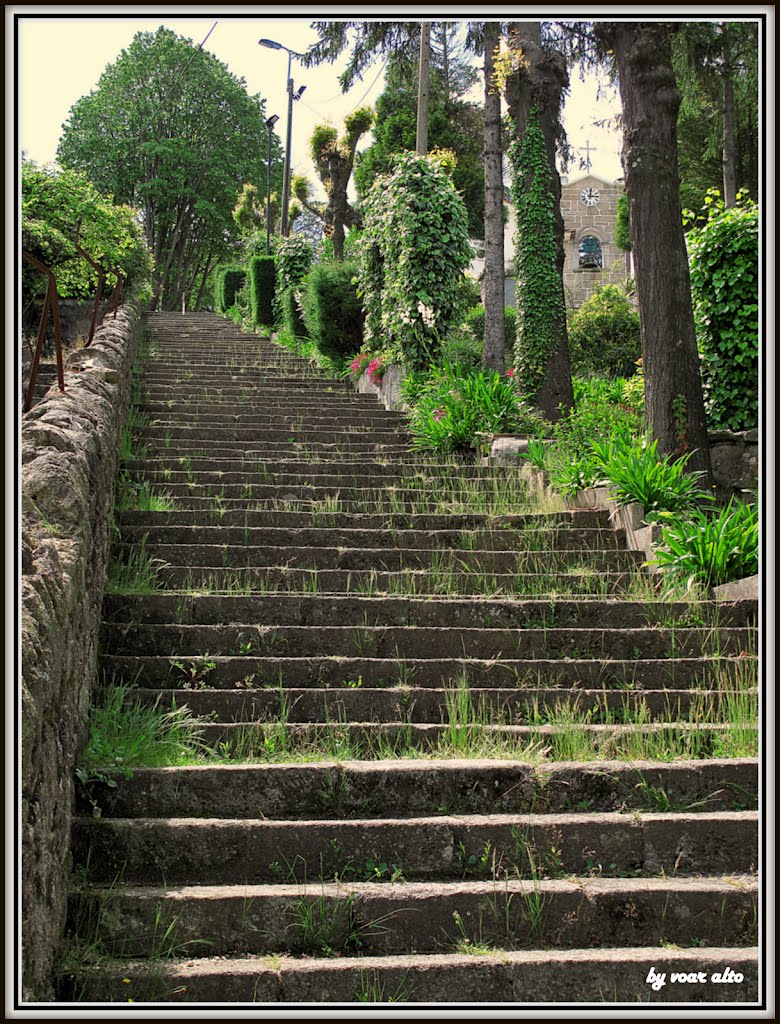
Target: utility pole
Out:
[422,89]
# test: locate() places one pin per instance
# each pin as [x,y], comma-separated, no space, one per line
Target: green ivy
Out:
[723,255]
[540,301]
[623,224]
[414,248]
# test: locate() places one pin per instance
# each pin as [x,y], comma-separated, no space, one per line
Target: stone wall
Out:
[598,221]
[70,445]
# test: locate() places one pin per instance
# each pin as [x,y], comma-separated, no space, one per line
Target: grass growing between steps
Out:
[128,735]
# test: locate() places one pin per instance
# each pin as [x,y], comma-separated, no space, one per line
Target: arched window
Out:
[590,253]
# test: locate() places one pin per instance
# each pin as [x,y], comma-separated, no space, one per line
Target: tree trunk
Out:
[540,82]
[729,154]
[493,350]
[650,100]
[423,86]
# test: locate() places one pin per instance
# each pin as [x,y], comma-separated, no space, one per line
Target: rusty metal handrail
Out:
[50,304]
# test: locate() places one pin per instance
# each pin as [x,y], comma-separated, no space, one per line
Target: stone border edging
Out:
[70,452]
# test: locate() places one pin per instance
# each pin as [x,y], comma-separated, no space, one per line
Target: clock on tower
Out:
[589,197]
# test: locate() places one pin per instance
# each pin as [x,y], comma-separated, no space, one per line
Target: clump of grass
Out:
[137,574]
[125,734]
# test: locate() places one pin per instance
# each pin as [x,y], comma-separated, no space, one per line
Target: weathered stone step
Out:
[162,442]
[569,538]
[429,704]
[386,918]
[455,613]
[435,641]
[590,519]
[390,559]
[281,433]
[218,851]
[420,788]
[343,581]
[370,469]
[330,481]
[531,976]
[329,670]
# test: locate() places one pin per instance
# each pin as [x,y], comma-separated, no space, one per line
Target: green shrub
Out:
[452,410]
[294,257]
[332,311]
[604,334]
[474,322]
[636,472]
[711,549]
[262,272]
[230,281]
[414,249]
[461,348]
[598,414]
[724,284]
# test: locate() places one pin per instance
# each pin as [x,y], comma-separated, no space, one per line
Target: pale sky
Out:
[60,59]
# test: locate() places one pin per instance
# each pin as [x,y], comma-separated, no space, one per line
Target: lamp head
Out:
[270,44]
[271,121]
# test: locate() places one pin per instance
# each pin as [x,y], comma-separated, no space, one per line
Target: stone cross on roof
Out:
[587,148]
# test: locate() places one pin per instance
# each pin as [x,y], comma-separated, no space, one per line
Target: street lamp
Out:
[273,45]
[270,122]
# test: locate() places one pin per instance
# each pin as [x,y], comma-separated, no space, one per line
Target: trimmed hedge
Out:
[292,318]
[229,281]
[262,274]
[332,311]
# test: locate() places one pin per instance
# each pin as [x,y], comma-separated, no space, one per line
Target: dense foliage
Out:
[177,145]
[61,209]
[331,309]
[604,334]
[454,409]
[453,124]
[294,257]
[711,549]
[540,306]
[228,282]
[474,322]
[261,275]
[414,248]
[724,282]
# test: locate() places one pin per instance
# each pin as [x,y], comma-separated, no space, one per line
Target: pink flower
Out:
[376,371]
[439,414]
[511,372]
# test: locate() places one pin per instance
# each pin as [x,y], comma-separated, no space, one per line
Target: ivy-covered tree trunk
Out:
[493,350]
[674,402]
[537,84]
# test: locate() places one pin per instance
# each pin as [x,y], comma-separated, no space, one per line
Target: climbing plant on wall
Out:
[540,300]
[414,249]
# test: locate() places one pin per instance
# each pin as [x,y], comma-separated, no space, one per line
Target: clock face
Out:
[589,196]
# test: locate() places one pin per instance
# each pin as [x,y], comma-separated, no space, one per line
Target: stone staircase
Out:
[453,752]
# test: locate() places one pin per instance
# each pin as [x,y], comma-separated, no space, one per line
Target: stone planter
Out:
[388,392]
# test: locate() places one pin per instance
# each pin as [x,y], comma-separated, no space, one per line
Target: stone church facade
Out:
[589,210]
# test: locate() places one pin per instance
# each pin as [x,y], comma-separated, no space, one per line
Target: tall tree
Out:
[536,82]
[457,125]
[716,69]
[334,159]
[674,404]
[493,349]
[171,131]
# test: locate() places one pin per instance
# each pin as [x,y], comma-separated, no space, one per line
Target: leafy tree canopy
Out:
[62,212]
[170,130]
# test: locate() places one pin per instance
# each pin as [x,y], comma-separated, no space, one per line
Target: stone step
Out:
[384,918]
[361,703]
[279,433]
[525,977]
[309,610]
[162,442]
[389,559]
[406,788]
[410,641]
[343,582]
[227,671]
[219,851]
[164,533]
[427,473]
[230,516]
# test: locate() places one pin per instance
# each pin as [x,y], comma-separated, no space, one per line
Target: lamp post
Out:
[273,45]
[270,122]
